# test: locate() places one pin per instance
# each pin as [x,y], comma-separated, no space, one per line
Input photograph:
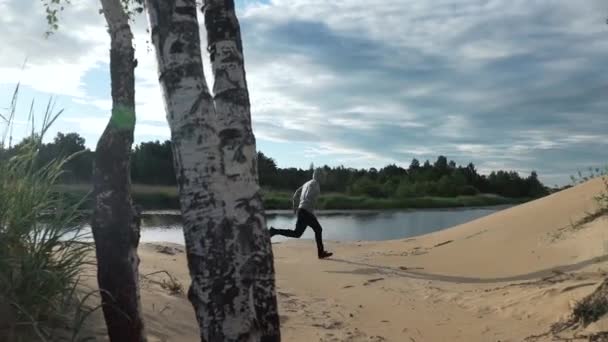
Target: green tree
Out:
[441,167]
[80,167]
[267,170]
[414,165]
[152,163]
[534,187]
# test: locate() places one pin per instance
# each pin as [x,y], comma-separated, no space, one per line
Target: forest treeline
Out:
[152,164]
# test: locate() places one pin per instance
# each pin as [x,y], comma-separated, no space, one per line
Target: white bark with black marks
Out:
[229,252]
[115,222]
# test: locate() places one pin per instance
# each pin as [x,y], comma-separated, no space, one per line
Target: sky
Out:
[506,84]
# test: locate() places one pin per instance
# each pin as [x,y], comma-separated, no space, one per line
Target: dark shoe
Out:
[272,231]
[325,254]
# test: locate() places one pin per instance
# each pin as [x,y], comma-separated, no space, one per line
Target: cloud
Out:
[53,65]
[73,65]
[501,83]
[506,84]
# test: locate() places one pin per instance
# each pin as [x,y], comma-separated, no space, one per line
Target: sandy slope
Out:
[493,279]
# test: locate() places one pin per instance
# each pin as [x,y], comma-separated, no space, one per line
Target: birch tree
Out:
[228,248]
[115,222]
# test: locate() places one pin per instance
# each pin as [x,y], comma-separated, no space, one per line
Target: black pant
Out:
[305,219]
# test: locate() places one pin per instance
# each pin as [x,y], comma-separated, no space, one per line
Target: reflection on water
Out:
[337,225]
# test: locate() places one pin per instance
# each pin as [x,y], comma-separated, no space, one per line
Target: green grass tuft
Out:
[42,250]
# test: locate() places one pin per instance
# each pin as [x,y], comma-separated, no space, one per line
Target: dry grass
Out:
[170,283]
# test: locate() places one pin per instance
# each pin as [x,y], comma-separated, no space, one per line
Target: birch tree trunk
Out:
[115,222]
[228,247]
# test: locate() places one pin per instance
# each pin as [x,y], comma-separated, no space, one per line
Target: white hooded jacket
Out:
[308,193]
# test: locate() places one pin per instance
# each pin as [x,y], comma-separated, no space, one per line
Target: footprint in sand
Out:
[444,243]
[333,325]
[404,268]
[371,281]
[418,251]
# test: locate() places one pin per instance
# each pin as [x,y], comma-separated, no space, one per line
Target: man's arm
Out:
[296,198]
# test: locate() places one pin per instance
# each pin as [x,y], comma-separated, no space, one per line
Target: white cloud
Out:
[487,49]
[55,64]
[453,126]
[102,104]
[417,151]
[152,131]
[348,156]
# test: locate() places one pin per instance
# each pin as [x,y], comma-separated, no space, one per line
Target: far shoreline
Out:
[163,199]
[328,212]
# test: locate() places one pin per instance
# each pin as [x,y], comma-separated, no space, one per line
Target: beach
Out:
[503,277]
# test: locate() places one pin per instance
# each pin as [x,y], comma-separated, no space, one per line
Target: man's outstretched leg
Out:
[296,233]
[313,223]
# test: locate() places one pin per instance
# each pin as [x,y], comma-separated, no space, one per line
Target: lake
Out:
[337,225]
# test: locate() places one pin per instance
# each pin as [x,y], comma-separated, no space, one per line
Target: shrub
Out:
[367,187]
[406,190]
[469,190]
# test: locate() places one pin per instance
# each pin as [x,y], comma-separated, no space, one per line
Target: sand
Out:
[503,277]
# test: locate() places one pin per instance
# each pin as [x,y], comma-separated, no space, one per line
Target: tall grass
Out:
[593,173]
[41,243]
[601,198]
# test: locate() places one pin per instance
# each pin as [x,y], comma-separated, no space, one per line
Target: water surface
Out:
[337,225]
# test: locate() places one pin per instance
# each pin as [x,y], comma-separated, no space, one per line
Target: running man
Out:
[304,200]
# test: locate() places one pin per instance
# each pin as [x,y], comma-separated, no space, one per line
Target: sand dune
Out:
[500,278]
[519,240]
